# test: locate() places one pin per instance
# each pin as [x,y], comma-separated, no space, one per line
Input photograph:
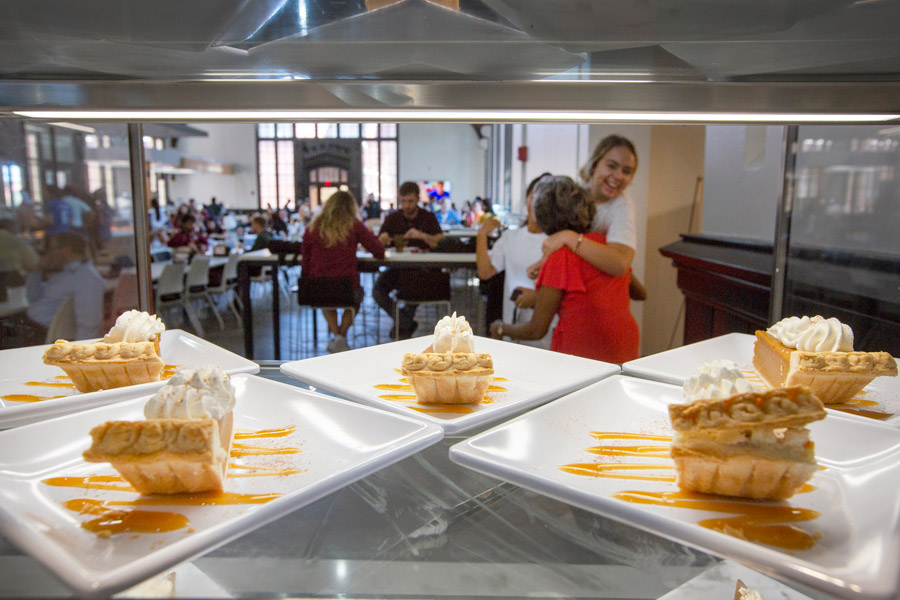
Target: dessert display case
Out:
[426,526]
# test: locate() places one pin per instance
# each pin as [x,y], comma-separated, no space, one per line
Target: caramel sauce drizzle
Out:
[761,523]
[91,482]
[861,412]
[55,384]
[609,470]
[238,450]
[604,435]
[456,409]
[645,451]
[263,472]
[405,397]
[754,521]
[265,433]
[29,398]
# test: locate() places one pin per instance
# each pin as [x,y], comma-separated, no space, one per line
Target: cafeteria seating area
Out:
[371,326]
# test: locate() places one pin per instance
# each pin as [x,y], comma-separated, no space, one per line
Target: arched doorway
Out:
[326,166]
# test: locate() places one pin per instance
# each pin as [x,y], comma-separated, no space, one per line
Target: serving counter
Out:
[423,527]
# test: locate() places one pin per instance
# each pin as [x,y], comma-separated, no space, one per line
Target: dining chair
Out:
[195,288]
[125,297]
[63,326]
[170,287]
[317,293]
[226,287]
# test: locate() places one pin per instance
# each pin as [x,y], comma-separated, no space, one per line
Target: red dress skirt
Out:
[595,319]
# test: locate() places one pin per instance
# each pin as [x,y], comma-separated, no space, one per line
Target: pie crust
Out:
[102,366]
[752,445]
[448,377]
[834,377]
[165,456]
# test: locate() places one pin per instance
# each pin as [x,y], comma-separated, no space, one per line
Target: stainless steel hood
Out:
[798,56]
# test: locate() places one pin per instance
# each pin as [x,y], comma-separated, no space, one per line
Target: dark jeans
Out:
[418,284]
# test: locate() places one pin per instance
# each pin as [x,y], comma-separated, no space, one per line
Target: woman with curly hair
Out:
[595,319]
[329,262]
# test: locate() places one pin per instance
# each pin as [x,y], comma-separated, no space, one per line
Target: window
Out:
[275,155]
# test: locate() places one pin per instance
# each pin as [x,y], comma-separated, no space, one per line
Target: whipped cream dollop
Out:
[135,326]
[204,393]
[813,334]
[453,334]
[716,379]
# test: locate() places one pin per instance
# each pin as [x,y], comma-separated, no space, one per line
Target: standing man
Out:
[420,229]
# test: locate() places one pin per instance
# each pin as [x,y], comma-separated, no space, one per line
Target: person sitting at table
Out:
[447,216]
[512,254]
[595,319]
[329,251]
[64,271]
[187,236]
[419,229]
[475,214]
[260,230]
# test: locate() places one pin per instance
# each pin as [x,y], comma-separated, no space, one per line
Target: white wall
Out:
[555,148]
[233,144]
[742,181]
[451,152]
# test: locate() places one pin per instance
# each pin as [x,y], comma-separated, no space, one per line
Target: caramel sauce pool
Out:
[110,522]
[755,521]
[762,523]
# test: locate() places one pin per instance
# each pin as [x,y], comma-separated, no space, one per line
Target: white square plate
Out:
[856,556]
[528,378]
[880,397]
[22,371]
[334,443]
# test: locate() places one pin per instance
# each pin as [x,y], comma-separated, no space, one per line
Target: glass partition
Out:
[67,231]
[844,252]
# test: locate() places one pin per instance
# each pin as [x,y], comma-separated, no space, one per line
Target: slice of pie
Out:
[752,445]
[165,456]
[834,377]
[448,377]
[101,366]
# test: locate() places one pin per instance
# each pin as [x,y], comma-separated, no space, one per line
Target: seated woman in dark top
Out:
[329,251]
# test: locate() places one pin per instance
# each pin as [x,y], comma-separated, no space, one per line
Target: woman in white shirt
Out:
[513,253]
[608,173]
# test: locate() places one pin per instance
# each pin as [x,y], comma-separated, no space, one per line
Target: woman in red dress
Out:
[595,319]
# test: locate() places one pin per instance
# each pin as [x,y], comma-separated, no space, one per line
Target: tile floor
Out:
[372,325]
